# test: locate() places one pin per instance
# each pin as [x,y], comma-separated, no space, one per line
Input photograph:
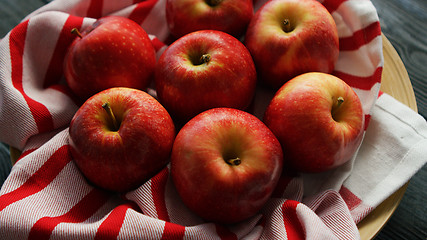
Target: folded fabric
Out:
[45,195]
[393,150]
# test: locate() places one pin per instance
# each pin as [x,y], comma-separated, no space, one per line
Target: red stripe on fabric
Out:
[55,69]
[367,120]
[142,10]
[17,43]
[332,5]
[91,203]
[293,227]
[41,114]
[95,8]
[350,198]
[380,93]
[224,233]
[364,83]
[110,227]
[40,179]
[157,44]
[360,37]
[158,188]
[173,231]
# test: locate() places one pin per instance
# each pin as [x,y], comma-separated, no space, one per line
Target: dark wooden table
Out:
[404,23]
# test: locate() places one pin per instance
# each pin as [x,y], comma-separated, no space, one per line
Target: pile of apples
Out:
[225,162]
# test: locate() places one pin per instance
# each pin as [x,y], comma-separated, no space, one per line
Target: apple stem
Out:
[205,58]
[287,25]
[339,102]
[76,31]
[110,113]
[234,161]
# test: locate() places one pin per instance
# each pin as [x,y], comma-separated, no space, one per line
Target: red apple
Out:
[289,37]
[318,120]
[203,70]
[230,16]
[225,164]
[113,52]
[121,137]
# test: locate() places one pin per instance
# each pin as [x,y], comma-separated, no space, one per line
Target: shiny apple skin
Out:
[113,52]
[208,185]
[121,160]
[230,16]
[311,46]
[312,137]
[187,89]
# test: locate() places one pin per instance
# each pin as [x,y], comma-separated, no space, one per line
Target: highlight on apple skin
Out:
[225,164]
[113,52]
[319,121]
[202,70]
[289,37]
[121,137]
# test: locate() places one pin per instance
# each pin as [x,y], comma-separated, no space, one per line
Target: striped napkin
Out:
[46,197]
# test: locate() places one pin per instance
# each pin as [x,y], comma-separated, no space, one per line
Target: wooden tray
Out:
[395,81]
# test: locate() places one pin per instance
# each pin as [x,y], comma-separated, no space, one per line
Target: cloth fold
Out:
[46,197]
[393,150]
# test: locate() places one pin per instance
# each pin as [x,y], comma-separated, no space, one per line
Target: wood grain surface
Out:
[404,23]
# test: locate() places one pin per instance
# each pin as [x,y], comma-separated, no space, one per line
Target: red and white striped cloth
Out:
[46,197]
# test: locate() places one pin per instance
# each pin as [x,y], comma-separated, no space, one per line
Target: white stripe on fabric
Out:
[368,97]
[143,197]
[274,226]
[28,165]
[155,20]
[361,62]
[350,10]
[12,103]
[202,231]
[140,226]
